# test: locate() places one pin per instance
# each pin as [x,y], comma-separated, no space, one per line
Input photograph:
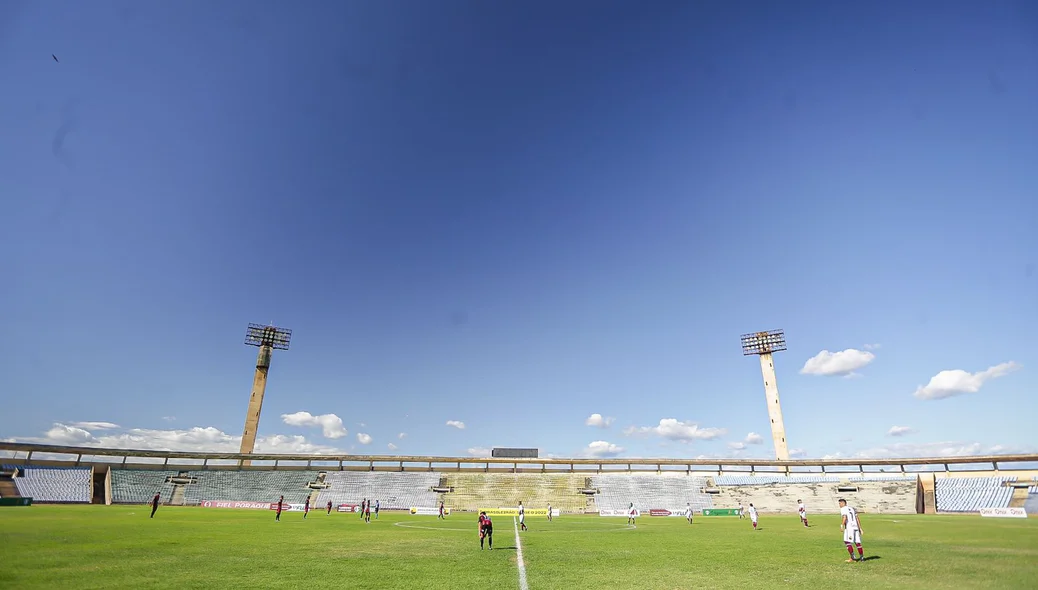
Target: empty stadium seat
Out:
[54,484]
[970,494]
[536,490]
[648,491]
[249,486]
[139,486]
[393,490]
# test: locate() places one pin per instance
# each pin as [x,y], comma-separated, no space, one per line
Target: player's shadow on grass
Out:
[870,558]
[504,548]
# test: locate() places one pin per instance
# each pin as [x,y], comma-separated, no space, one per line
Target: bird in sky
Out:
[55,57]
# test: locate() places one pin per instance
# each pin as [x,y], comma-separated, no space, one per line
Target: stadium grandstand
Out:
[55,474]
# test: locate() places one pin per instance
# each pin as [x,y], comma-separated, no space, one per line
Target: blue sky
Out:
[517,216]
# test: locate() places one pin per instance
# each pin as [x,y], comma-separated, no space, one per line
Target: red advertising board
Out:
[224,504]
[347,508]
[659,512]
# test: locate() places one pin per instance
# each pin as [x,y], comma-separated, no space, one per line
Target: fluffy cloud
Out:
[933,449]
[62,434]
[673,429]
[92,426]
[391,447]
[197,439]
[843,363]
[402,435]
[330,424]
[364,439]
[900,430]
[736,446]
[479,452]
[598,421]
[754,439]
[956,382]
[456,424]
[601,448]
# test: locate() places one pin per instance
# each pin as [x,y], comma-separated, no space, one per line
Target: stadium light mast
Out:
[267,338]
[763,344]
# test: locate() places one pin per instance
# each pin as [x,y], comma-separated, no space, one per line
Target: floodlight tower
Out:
[267,338]
[763,344]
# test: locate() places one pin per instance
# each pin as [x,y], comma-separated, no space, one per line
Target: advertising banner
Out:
[286,507]
[624,513]
[348,508]
[224,504]
[418,511]
[515,511]
[659,512]
[720,512]
[15,501]
[1004,512]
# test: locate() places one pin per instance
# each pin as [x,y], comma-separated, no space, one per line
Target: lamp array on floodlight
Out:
[763,342]
[272,336]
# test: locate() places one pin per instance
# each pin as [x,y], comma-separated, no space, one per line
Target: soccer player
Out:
[377,505]
[486,530]
[154,505]
[851,527]
[522,516]
[741,515]
[441,511]
[306,507]
[631,514]
[367,512]
[688,512]
[281,502]
[802,510]
[329,507]
[549,511]
[753,516]
[362,504]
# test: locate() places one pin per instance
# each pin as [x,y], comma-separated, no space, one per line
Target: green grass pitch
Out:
[70,547]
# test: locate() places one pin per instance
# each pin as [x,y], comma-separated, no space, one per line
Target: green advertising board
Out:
[720,512]
[15,501]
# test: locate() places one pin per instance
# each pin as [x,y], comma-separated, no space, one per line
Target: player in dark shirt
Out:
[362,504]
[281,502]
[441,512]
[486,530]
[154,505]
[367,512]
[306,507]
[329,506]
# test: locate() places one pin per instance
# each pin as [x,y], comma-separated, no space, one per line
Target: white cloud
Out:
[956,382]
[754,439]
[601,448]
[797,453]
[900,430]
[933,449]
[844,362]
[197,439]
[456,424]
[92,426]
[479,452]
[364,439]
[170,418]
[737,446]
[62,434]
[872,347]
[597,421]
[673,429]
[402,435]
[391,447]
[330,424]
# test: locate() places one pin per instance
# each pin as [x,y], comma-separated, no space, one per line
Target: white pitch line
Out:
[519,557]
